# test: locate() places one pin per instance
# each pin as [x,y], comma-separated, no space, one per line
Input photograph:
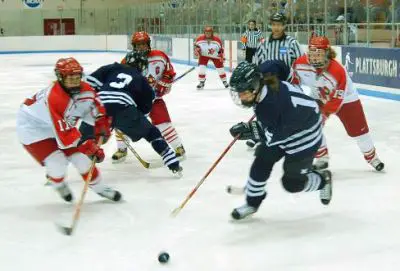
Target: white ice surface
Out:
[360,230]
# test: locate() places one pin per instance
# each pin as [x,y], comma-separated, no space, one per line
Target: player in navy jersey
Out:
[289,126]
[128,98]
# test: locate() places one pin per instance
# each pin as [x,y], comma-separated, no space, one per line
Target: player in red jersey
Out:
[46,126]
[209,47]
[160,73]
[326,80]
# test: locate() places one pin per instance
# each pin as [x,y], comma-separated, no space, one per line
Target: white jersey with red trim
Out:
[333,84]
[159,66]
[212,48]
[52,113]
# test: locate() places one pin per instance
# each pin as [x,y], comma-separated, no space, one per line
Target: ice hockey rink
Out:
[359,230]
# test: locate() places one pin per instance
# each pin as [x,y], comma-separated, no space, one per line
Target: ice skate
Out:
[377,164]
[243,211]
[226,84]
[200,86]
[325,194]
[321,163]
[106,191]
[64,191]
[176,169]
[180,153]
[119,156]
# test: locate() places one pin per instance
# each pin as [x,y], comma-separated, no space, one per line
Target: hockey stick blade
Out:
[235,190]
[64,230]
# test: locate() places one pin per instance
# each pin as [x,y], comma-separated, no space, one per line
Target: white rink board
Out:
[358,231]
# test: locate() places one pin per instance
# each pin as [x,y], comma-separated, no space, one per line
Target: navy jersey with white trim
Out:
[119,86]
[289,118]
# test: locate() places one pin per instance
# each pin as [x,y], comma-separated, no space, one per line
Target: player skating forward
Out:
[160,74]
[128,97]
[209,47]
[329,83]
[46,128]
[289,126]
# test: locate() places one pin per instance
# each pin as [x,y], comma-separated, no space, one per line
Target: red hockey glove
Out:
[197,51]
[163,86]
[102,127]
[90,148]
[221,57]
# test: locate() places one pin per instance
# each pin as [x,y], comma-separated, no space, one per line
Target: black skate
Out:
[200,86]
[64,191]
[321,163]
[243,211]
[119,156]
[377,164]
[176,169]
[325,194]
[106,191]
[226,84]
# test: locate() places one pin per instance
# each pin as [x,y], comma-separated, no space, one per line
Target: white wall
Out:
[69,4]
[56,43]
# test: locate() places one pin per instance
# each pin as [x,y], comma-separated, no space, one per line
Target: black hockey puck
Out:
[163,257]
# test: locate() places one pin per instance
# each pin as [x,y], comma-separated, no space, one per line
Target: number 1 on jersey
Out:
[300,101]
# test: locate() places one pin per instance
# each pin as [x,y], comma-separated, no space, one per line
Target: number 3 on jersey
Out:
[125,80]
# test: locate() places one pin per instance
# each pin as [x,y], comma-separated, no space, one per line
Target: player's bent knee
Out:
[153,134]
[56,164]
[293,184]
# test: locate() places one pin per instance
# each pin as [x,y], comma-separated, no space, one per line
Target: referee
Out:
[250,39]
[278,46]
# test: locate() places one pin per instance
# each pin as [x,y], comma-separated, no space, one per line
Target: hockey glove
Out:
[102,127]
[246,131]
[163,87]
[197,51]
[91,149]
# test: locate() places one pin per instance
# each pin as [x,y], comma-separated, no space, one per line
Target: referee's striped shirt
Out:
[253,38]
[286,49]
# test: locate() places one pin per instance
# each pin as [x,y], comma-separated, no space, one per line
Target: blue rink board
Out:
[362,91]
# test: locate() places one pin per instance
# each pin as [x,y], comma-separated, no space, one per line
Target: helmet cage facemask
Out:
[69,90]
[252,87]
[317,58]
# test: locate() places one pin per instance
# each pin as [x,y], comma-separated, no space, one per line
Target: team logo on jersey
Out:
[283,50]
[33,3]
[157,70]
[211,51]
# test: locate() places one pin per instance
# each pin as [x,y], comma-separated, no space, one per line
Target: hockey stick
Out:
[176,211]
[75,218]
[140,159]
[183,74]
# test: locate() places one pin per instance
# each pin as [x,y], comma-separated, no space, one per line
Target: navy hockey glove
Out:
[246,131]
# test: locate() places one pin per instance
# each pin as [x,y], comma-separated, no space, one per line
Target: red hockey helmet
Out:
[319,43]
[66,70]
[141,41]
[318,50]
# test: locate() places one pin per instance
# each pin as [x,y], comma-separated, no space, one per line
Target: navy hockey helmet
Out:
[276,67]
[137,59]
[245,84]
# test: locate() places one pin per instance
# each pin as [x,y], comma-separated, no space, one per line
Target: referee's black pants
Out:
[250,53]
